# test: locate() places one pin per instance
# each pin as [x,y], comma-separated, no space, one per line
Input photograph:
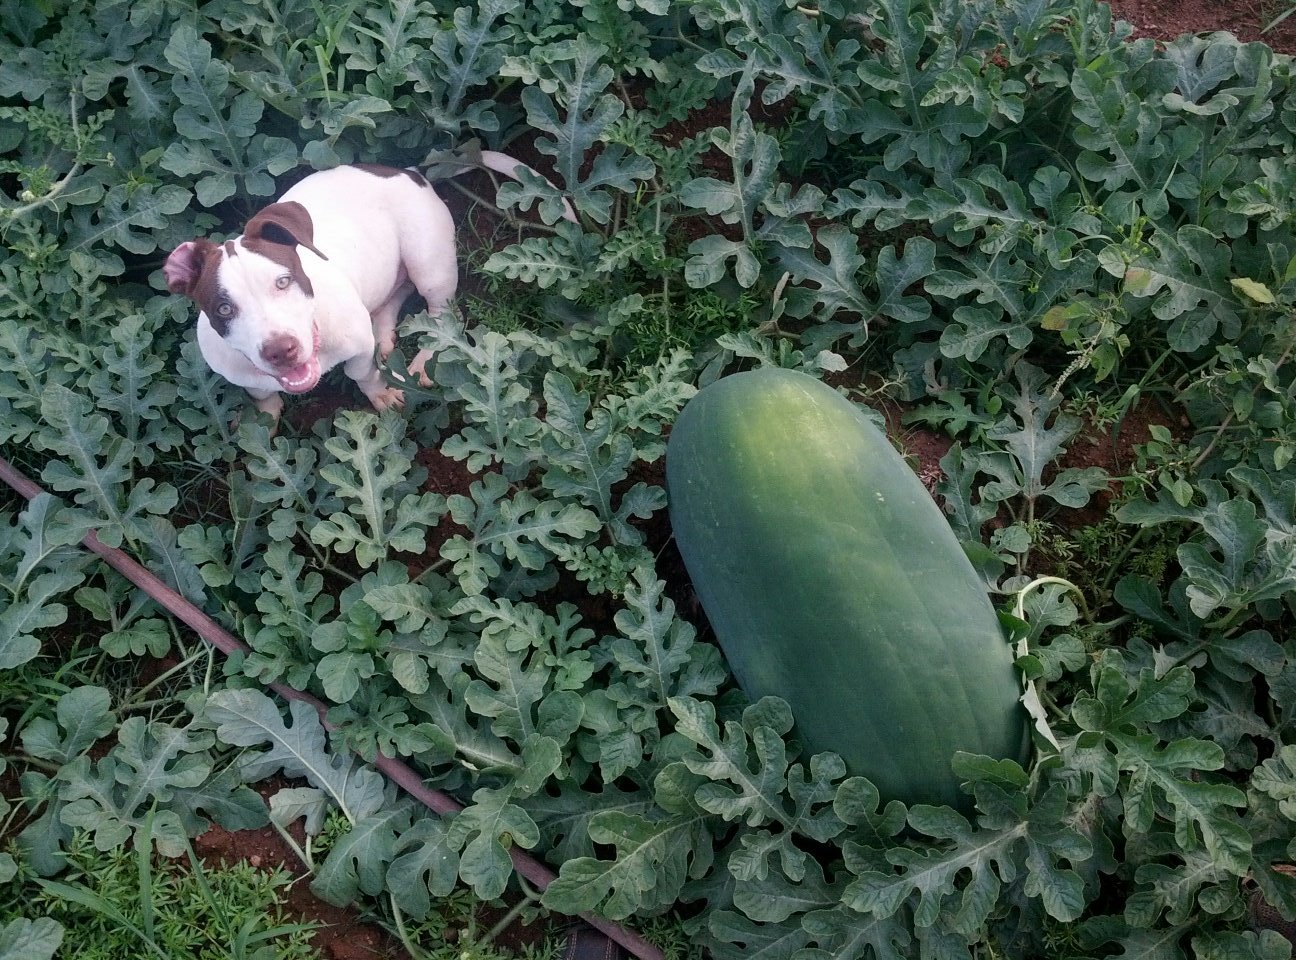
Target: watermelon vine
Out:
[1013,224]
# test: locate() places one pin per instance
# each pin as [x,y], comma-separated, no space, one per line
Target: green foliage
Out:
[115,904]
[1001,210]
[38,939]
[370,472]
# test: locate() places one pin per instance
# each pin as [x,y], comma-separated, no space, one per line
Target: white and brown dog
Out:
[318,278]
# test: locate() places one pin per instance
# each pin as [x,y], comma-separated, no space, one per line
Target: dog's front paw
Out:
[271,404]
[390,397]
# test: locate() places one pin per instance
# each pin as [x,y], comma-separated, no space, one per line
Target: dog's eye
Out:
[284,282]
[225,309]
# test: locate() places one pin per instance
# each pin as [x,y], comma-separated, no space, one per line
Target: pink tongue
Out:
[300,378]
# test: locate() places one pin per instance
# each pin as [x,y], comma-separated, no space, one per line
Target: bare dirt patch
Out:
[1245,19]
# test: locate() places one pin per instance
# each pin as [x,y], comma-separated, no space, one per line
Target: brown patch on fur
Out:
[378,170]
[277,231]
[287,223]
[286,257]
[206,291]
[192,270]
[185,265]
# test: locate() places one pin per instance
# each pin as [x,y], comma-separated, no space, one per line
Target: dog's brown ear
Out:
[184,267]
[288,224]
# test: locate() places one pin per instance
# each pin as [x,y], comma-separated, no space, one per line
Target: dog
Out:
[318,277]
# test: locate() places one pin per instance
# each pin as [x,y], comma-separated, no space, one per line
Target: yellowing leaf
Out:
[1137,280]
[1061,316]
[1252,289]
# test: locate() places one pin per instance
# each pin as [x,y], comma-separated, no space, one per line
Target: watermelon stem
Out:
[1019,608]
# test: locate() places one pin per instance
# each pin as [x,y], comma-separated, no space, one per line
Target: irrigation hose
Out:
[394,769]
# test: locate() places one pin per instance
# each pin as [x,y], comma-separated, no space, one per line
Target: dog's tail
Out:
[470,156]
[508,166]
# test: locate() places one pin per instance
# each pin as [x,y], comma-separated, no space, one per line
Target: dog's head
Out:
[256,294]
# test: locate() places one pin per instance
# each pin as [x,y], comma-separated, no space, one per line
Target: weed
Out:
[1273,13]
[1094,556]
[118,905]
[690,322]
[459,929]
[670,935]
[1164,461]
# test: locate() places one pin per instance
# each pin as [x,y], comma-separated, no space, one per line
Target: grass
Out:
[122,905]
[457,930]
[1272,15]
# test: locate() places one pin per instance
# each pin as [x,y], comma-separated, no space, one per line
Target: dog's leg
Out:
[268,402]
[369,378]
[385,319]
[436,282]
[384,322]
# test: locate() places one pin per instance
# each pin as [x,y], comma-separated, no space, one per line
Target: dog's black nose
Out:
[281,350]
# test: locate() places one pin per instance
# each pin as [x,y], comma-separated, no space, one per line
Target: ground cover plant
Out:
[115,905]
[1009,223]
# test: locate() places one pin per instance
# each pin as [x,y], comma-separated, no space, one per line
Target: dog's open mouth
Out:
[300,378]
